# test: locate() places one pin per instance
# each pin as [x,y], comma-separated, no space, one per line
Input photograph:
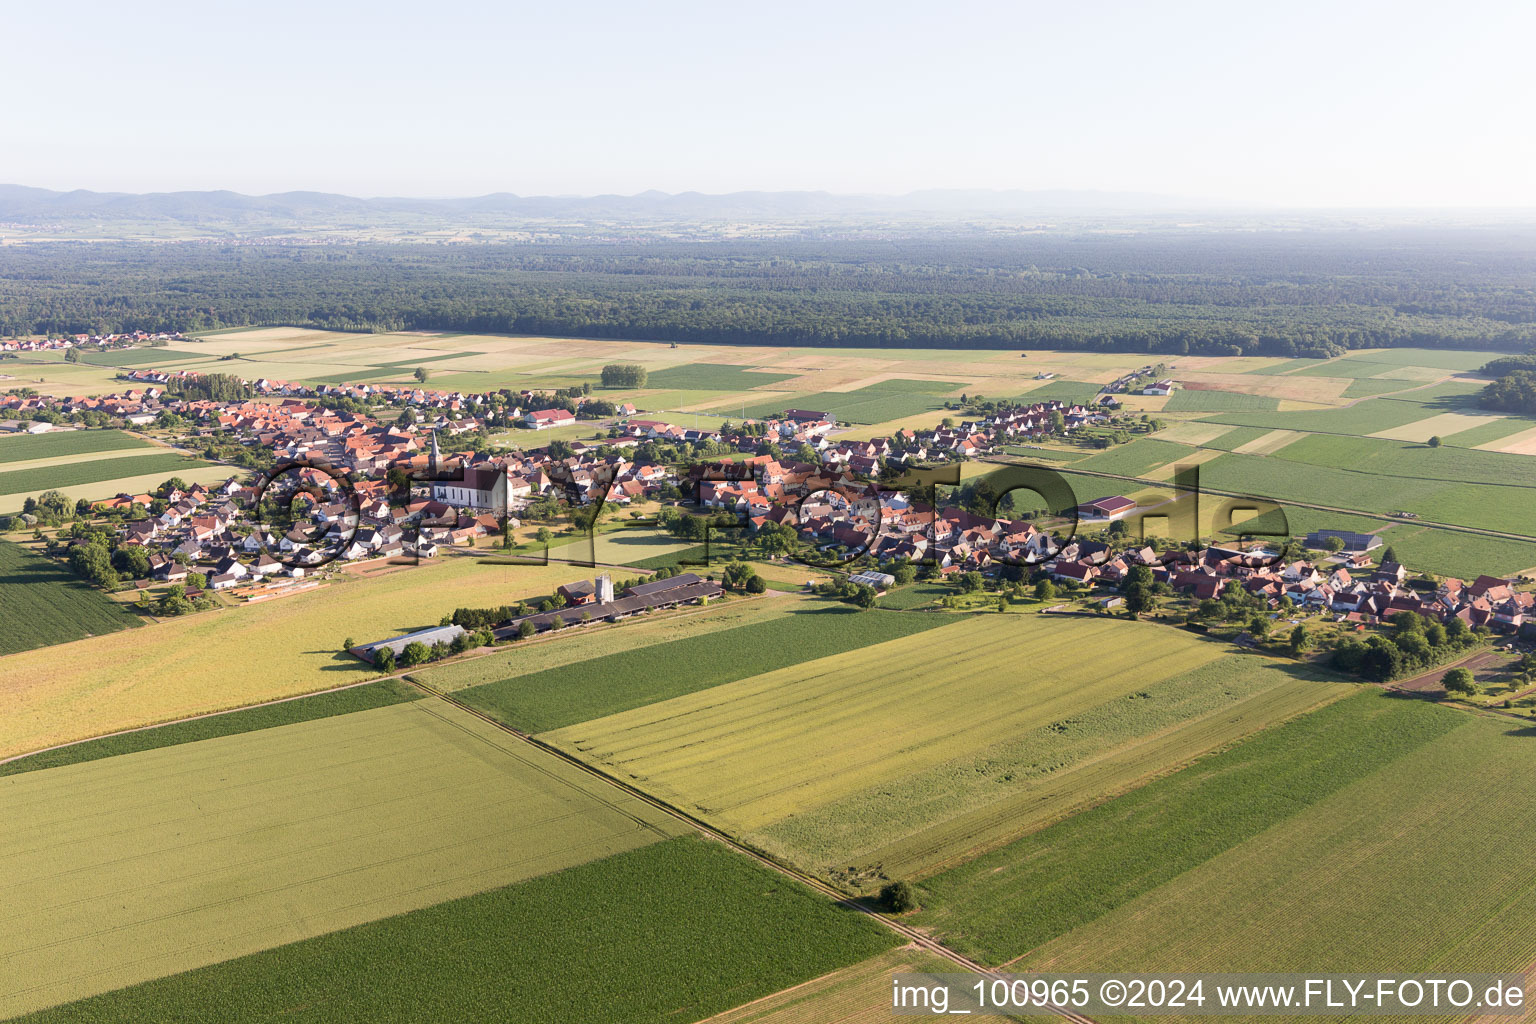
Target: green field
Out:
[556,651]
[137,357]
[44,603]
[1065,390]
[1367,387]
[712,377]
[1185,400]
[75,474]
[1408,459]
[1011,901]
[1356,367]
[26,447]
[1364,418]
[822,760]
[1489,432]
[1408,864]
[1140,456]
[583,690]
[267,716]
[956,805]
[147,864]
[916,595]
[1047,454]
[667,934]
[875,403]
[1436,358]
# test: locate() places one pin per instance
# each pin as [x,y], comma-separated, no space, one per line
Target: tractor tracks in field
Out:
[913,935]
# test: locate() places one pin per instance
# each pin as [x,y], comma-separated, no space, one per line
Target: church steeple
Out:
[437,455]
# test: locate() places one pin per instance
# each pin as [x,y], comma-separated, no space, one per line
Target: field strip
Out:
[1523,443]
[914,935]
[1435,426]
[192,473]
[1095,781]
[1269,443]
[1166,472]
[860,994]
[147,864]
[753,752]
[1192,433]
[65,460]
[1356,879]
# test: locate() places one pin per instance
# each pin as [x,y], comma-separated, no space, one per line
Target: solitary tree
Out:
[1434,442]
[1300,641]
[421,374]
[1138,599]
[899,897]
[1045,590]
[1459,680]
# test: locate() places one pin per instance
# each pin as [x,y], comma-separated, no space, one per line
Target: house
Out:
[1162,387]
[542,419]
[1082,572]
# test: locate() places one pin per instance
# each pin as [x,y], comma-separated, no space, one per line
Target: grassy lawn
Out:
[727,930]
[44,603]
[144,865]
[1012,900]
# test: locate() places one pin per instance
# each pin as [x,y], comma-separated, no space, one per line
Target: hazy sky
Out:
[1297,103]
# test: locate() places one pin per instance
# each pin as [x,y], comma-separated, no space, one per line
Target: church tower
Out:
[436,457]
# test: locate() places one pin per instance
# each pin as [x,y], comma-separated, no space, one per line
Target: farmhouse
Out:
[431,637]
[684,588]
[871,578]
[543,418]
[1162,387]
[1111,508]
[1354,543]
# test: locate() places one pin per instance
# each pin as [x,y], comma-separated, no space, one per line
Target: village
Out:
[403,474]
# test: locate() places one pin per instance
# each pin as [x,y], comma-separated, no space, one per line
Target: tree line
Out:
[1161,296]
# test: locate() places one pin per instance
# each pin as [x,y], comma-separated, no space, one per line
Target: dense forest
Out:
[1309,293]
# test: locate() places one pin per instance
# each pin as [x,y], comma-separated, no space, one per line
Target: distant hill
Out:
[23,204]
